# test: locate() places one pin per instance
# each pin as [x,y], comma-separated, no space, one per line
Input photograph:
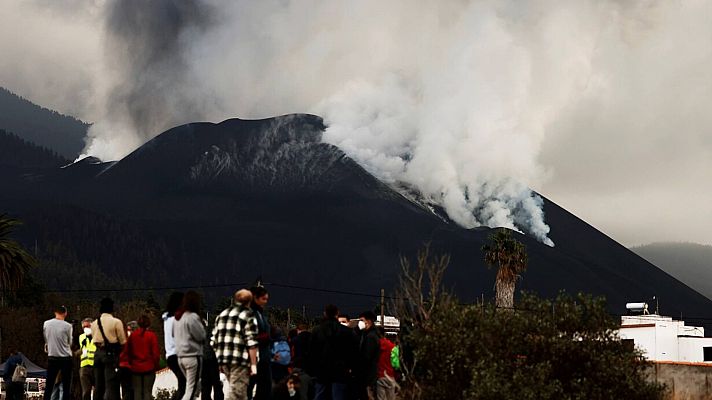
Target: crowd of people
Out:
[337,359]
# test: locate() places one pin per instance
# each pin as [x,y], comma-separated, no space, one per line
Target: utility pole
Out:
[383,305]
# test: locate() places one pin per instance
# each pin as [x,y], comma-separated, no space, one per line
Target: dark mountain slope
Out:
[19,153]
[689,262]
[44,127]
[240,199]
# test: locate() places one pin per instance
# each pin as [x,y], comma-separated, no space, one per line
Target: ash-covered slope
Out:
[232,201]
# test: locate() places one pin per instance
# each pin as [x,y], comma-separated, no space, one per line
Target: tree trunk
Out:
[504,288]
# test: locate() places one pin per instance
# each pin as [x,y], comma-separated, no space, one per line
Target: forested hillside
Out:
[44,127]
[20,153]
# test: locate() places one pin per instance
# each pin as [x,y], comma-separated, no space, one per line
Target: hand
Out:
[276,357]
[253,369]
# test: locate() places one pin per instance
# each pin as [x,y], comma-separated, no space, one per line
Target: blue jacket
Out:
[10,365]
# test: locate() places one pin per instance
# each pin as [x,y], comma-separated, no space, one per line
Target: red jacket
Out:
[384,358]
[142,351]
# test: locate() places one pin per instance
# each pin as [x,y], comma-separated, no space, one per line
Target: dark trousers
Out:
[106,376]
[14,390]
[172,362]
[143,385]
[263,380]
[56,365]
[86,378]
[126,383]
[330,391]
[210,381]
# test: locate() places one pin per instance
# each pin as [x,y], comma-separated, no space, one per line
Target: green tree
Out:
[510,257]
[15,261]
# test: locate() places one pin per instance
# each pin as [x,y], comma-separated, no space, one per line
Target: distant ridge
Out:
[689,262]
[57,132]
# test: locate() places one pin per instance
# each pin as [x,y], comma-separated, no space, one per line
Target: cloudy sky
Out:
[601,106]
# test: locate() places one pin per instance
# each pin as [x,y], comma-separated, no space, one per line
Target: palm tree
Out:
[15,262]
[510,257]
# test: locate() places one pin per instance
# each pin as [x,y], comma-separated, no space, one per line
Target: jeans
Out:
[55,365]
[330,391]
[106,376]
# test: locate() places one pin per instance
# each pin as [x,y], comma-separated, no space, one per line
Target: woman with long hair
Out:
[189,336]
[174,302]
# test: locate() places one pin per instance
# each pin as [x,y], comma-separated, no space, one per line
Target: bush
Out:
[561,349]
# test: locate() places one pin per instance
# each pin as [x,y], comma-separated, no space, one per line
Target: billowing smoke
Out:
[152,88]
[462,101]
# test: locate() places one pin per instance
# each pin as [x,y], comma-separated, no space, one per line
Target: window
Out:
[707,352]
[629,344]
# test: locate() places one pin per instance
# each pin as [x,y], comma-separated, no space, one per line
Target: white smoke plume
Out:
[455,99]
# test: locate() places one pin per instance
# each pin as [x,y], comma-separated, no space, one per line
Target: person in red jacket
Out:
[386,385]
[143,357]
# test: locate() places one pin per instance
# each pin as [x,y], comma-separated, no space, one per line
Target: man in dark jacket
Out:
[263,379]
[332,350]
[369,350]
[13,390]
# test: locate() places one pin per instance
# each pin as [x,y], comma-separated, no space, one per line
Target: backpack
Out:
[20,373]
[282,348]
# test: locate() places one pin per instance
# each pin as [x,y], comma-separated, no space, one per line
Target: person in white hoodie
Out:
[189,336]
[174,302]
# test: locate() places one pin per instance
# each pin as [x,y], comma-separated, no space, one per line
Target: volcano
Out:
[207,204]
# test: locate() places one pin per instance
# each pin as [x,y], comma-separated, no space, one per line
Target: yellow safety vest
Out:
[88,348]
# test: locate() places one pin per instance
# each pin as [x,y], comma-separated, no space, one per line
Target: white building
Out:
[664,339]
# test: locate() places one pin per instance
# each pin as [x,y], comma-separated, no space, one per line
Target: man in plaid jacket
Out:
[234,340]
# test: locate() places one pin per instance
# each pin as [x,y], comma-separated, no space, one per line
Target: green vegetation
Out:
[15,261]
[564,348]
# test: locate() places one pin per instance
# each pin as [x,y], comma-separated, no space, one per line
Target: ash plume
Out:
[151,82]
[468,103]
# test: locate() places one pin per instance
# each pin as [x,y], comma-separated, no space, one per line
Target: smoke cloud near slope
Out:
[467,102]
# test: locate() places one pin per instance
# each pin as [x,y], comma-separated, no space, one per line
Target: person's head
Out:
[86,322]
[260,296]
[60,312]
[381,332]
[244,297]
[144,321]
[131,326]
[191,302]
[343,319]
[106,306]
[174,302]
[367,318]
[302,327]
[331,311]
[293,384]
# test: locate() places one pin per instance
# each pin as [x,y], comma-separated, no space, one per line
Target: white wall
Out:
[691,348]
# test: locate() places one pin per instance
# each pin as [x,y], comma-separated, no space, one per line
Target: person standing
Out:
[109,337]
[386,385]
[211,386]
[87,349]
[125,375]
[58,339]
[13,390]
[143,357]
[329,361]
[234,339]
[369,350]
[174,302]
[263,379]
[189,335]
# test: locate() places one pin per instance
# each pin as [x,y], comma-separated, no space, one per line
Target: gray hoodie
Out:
[189,334]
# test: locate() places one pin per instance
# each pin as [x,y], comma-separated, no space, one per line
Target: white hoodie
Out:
[168,334]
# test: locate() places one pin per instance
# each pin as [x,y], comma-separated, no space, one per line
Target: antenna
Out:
[657,306]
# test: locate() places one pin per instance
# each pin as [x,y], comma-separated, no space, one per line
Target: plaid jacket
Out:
[234,333]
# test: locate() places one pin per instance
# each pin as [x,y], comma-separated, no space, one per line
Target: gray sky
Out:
[602,106]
